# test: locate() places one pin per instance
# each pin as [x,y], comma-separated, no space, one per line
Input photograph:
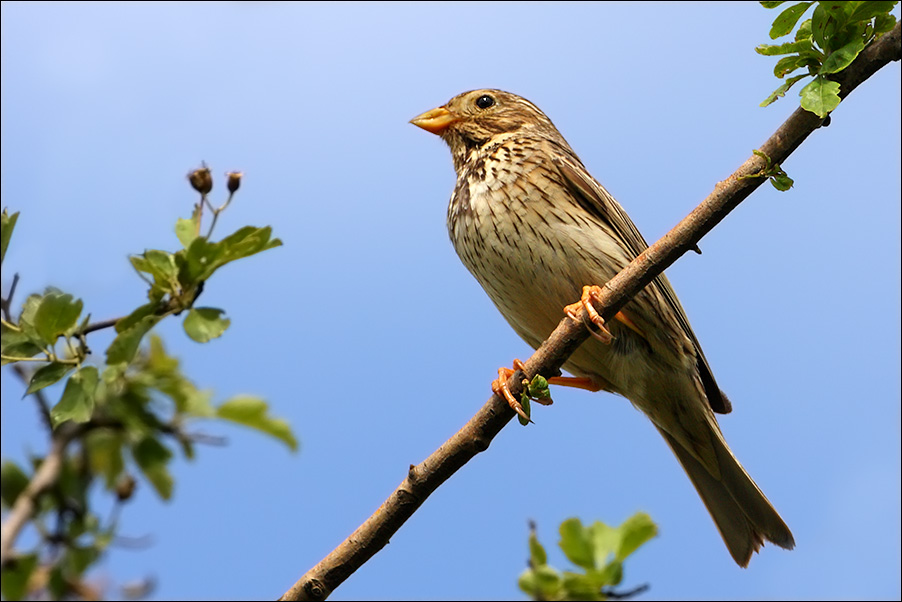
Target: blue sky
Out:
[366,332]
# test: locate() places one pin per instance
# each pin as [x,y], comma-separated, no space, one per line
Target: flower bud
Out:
[234,181]
[201,180]
[125,487]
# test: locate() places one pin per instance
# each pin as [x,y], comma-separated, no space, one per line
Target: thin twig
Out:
[95,326]
[625,595]
[319,582]
[5,304]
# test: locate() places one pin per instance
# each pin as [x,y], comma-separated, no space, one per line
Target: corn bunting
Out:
[534,227]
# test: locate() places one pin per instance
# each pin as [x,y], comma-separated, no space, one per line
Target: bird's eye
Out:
[485,101]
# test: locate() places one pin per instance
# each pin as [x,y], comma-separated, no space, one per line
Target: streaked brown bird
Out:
[534,227]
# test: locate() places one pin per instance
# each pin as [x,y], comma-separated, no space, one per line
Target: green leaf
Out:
[611,574]
[7,225]
[790,63]
[581,586]
[201,260]
[537,555]
[159,362]
[839,11]
[820,96]
[634,532]
[125,345]
[203,257]
[884,23]
[162,265]
[770,4]
[140,264]
[152,457]
[842,58]
[169,380]
[527,409]
[104,450]
[247,241]
[26,320]
[77,402]
[541,583]
[781,91]
[136,316]
[16,343]
[186,231]
[781,182]
[57,584]
[822,26]
[30,308]
[48,375]
[865,11]
[57,314]
[786,21]
[604,541]
[204,324]
[538,387]
[78,559]
[16,575]
[575,543]
[13,481]
[804,31]
[252,412]
[72,485]
[787,48]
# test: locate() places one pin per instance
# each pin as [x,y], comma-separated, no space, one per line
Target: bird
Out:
[538,231]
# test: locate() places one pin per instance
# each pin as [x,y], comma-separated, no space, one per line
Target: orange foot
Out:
[590,294]
[499,387]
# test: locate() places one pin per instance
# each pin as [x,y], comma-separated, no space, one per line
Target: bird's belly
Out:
[531,273]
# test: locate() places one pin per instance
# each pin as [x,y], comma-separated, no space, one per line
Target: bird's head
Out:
[472,119]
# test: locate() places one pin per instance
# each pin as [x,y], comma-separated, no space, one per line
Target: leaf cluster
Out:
[824,45]
[598,551]
[122,418]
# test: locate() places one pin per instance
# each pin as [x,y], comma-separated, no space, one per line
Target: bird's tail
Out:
[743,515]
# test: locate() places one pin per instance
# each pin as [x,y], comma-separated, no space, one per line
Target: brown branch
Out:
[477,434]
[44,479]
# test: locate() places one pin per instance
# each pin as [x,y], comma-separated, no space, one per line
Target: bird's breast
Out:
[525,239]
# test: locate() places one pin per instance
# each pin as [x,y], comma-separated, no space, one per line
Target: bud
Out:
[201,180]
[234,181]
[125,487]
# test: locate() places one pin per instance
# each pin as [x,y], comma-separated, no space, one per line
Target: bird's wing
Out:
[594,198]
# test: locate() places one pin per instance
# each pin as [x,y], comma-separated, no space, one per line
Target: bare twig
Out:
[5,304]
[95,326]
[626,595]
[476,435]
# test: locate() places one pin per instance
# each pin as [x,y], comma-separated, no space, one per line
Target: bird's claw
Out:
[590,294]
[499,387]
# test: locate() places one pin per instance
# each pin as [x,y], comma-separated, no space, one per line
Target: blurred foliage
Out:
[824,45]
[598,551]
[120,418]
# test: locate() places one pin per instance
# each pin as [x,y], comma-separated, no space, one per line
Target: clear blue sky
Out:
[367,333]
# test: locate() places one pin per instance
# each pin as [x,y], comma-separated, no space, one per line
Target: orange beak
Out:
[435,121]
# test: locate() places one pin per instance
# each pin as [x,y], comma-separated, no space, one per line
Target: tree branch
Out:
[478,433]
[44,478]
